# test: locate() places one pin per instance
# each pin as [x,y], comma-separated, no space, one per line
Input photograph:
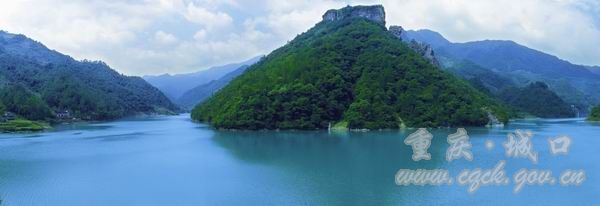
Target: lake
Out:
[170,160]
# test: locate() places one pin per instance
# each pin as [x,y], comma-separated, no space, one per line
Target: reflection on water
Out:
[173,161]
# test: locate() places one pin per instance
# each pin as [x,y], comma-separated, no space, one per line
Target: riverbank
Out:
[23,125]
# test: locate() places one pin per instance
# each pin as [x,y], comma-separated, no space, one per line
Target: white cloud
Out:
[200,35]
[203,16]
[156,36]
[165,38]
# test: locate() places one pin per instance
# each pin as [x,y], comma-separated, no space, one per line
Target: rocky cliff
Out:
[374,13]
[423,49]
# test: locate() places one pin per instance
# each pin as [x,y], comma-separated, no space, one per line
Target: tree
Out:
[595,115]
[2,108]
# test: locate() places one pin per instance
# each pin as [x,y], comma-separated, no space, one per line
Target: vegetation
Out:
[2,107]
[575,84]
[595,115]
[481,78]
[24,103]
[351,71]
[22,125]
[35,82]
[538,100]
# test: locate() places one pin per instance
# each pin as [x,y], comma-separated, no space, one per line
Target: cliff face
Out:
[374,13]
[423,49]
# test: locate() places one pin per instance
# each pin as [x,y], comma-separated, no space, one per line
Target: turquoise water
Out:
[173,161]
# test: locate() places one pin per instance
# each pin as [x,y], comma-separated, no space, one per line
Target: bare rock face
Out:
[423,49]
[374,13]
[398,31]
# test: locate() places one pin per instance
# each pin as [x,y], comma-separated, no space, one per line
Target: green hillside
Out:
[351,71]
[36,83]
[538,100]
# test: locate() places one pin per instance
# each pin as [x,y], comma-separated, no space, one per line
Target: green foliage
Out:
[538,100]
[25,103]
[65,92]
[595,115]
[22,125]
[2,107]
[350,71]
[483,79]
[89,90]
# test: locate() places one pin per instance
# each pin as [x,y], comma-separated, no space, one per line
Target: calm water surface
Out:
[173,161]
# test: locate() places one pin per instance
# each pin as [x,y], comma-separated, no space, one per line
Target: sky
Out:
[142,37]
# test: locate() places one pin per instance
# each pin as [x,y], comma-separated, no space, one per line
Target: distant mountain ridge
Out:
[594,69]
[57,82]
[173,86]
[202,92]
[575,84]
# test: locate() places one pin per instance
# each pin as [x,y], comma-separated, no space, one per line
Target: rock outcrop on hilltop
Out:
[423,49]
[374,13]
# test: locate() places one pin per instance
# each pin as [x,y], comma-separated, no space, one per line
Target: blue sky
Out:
[139,37]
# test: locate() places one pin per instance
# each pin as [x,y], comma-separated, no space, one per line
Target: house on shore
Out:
[63,114]
[8,116]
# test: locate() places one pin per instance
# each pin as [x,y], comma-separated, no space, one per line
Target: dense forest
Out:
[36,82]
[595,115]
[349,72]
[535,99]
[538,100]
[20,100]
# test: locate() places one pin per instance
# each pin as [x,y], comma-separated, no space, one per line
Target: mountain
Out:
[575,84]
[348,71]
[482,78]
[36,82]
[176,85]
[538,100]
[491,82]
[200,93]
[594,69]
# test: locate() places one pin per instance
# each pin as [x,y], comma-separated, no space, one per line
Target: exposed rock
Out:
[493,121]
[423,49]
[374,13]
[399,32]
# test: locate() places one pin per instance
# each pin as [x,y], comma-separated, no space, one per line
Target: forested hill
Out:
[576,84]
[348,70]
[36,82]
[538,100]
